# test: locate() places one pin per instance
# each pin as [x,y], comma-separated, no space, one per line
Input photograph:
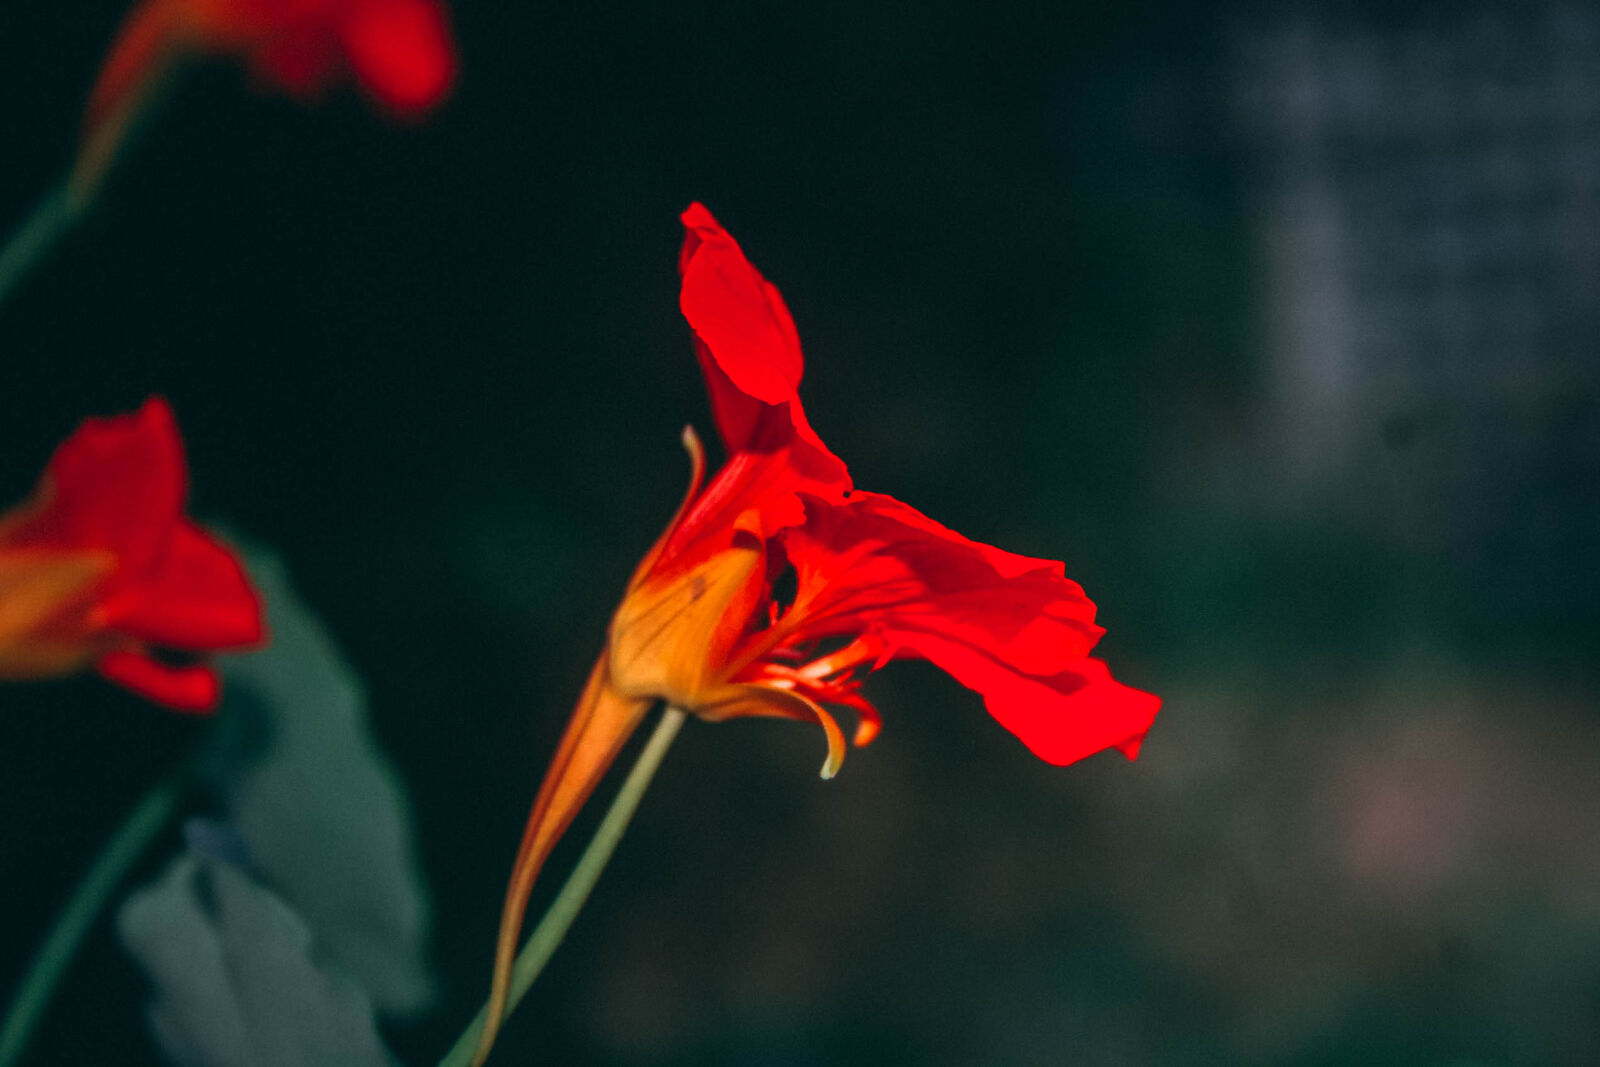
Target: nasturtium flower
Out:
[778,585]
[100,568]
[400,52]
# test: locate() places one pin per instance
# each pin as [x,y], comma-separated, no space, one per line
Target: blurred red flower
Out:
[777,585]
[100,567]
[400,51]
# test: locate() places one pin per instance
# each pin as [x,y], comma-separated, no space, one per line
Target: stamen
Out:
[768,699]
[850,656]
[842,691]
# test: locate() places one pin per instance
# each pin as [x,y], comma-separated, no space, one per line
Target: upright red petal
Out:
[742,325]
[749,351]
[115,484]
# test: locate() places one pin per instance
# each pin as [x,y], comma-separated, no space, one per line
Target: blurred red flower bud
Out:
[401,52]
[100,568]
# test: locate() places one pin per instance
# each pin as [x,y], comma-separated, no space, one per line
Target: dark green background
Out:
[441,370]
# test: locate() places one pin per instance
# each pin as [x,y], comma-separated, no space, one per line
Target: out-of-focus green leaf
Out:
[323,811]
[236,981]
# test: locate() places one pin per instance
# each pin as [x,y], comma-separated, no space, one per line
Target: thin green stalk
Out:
[66,203]
[50,964]
[38,234]
[553,927]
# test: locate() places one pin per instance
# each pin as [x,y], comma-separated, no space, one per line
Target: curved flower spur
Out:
[703,626]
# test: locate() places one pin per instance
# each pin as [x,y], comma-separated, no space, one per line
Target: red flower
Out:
[399,51]
[705,627]
[100,567]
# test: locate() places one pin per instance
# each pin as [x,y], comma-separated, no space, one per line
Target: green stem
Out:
[553,927]
[67,202]
[49,965]
[38,234]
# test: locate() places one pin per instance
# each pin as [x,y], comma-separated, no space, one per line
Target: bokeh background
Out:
[1277,323]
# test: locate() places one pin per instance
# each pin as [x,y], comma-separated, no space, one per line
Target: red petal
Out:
[301,59]
[1061,719]
[875,565]
[115,484]
[191,688]
[749,350]
[402,51]
[196,598]
[1011,627]
[754,494]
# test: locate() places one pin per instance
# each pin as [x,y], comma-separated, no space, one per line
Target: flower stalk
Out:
[148,818]
[37,235]
[472,1047]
